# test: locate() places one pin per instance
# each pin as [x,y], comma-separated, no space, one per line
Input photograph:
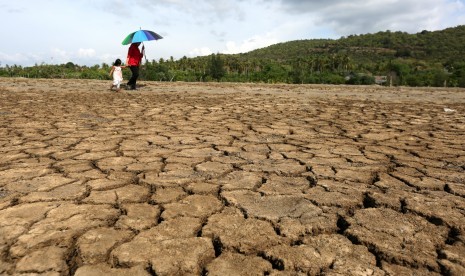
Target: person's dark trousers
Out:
[135,74]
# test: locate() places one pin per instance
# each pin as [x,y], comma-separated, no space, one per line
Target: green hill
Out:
[427,58]
[437,46]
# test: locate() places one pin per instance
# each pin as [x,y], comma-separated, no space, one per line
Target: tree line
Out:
[334,69]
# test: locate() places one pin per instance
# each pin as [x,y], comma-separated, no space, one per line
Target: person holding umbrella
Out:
[133,61]
[134,55]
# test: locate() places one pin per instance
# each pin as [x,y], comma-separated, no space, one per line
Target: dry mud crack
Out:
[230,179]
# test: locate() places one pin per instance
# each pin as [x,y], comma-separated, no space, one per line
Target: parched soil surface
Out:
[230,179]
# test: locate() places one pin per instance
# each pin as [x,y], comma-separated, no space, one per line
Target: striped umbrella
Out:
[141,36]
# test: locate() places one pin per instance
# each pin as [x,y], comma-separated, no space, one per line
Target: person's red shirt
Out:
[134,55]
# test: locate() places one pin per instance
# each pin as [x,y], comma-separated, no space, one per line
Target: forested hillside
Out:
[422,59]
[429,46]
[427,58]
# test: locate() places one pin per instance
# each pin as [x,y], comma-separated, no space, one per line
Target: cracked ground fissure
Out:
[230,179]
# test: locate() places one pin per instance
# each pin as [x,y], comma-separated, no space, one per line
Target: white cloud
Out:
[203,51]
[59,53]
[250,44]
[12,58]
[86,53]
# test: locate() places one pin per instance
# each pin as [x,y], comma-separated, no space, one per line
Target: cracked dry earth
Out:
[230,179]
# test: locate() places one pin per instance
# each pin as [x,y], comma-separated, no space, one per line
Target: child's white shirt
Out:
[118,74]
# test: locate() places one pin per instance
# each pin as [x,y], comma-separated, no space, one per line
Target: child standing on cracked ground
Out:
[117,72]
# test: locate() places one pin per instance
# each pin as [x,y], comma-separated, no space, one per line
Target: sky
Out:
[90,32]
